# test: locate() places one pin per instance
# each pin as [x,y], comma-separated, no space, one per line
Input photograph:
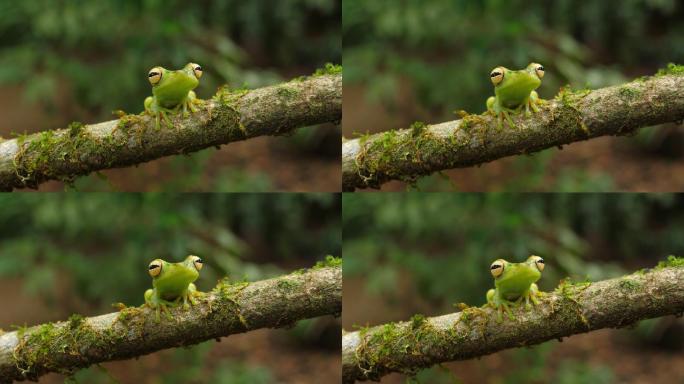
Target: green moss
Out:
[230,293]
[671,69]
[382,340]
[75,128]
[417,128]
[287,91]
[629,284]
[629,92]
[417,321]
[330,261]
[288,285]
[328,69]
[75,320]
[672,261]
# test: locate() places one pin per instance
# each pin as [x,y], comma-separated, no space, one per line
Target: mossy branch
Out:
[406,154]
[63,154]
[406,347]
[233,308]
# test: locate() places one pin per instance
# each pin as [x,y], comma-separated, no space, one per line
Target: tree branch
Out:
[230,308]
[573,308]
[230,116]
[573,116]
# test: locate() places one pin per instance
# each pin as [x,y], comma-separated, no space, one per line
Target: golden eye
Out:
[538,261]
[497,75]
[155,75]
[197,262]
[155,268]
[497,268]
[539,70]
[197,70]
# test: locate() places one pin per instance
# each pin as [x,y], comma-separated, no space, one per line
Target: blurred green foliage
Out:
[445,242]
[103,242]
[103,49]
[446,49]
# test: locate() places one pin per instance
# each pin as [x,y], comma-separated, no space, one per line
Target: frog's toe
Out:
[534,299]
[534,107]
[509,121]
[499,314]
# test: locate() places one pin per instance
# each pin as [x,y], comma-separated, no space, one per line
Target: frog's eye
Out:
[497,75]
[497,268]
[539,70]
[539,262]
[155,75]
[197,70]
[155,268]
[197,262]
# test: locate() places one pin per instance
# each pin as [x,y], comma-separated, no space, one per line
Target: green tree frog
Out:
[172,90]
[515,90]
[515,282]
[173,283]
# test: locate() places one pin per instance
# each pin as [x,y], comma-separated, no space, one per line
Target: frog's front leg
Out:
[159,305]
[159,112]
[189,103]
[499,304]
[532,102]
[532,295]
[189,296]
[500,112]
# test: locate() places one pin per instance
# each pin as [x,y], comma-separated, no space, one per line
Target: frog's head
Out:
[185,79]
[517,274]
[523,81]
[179,275]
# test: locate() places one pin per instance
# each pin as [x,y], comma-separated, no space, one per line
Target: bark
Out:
[573,308]
[230,308]
[229,116]
[407,154]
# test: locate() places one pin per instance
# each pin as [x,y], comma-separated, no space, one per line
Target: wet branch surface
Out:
[229,116]
[370,353]
[67,346]
[406,154]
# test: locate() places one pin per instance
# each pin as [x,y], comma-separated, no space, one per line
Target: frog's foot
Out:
[532,295]
[161,114]
[500,305]
[532,103]
[506,114]
[159,306]
[189,296]
[189,103]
